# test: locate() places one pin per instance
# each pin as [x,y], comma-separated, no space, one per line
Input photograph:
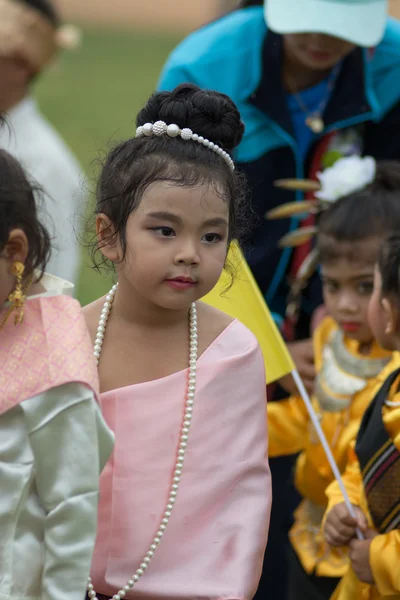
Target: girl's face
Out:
[14,81]
[347,288]
[381,316]
[316,51]
[176,242]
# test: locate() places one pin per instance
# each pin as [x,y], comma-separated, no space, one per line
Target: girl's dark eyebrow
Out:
[216,222]
[366,276]
[355,278]
[165,216]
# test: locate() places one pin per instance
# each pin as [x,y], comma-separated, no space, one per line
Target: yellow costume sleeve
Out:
[352,481]
[320,338]
[287,426]
[384,551]
[384,557]
[288,420]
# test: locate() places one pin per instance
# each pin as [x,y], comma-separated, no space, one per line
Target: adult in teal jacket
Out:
[281,79]
[313,80]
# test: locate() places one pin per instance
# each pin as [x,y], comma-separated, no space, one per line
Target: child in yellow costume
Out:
[372,477]
[348,360]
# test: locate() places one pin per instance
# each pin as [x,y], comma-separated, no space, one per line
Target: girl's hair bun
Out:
[209,114]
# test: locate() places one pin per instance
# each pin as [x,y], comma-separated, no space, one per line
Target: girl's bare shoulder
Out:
[212,321]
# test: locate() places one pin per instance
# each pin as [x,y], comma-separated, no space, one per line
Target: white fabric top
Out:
[54,286]
[52,449]
[43,154]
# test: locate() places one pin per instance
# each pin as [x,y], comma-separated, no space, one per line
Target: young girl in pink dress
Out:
[53,439]
[185,498]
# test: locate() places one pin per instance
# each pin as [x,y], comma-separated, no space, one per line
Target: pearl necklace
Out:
[187,420]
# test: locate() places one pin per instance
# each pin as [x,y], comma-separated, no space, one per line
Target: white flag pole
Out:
[324,442]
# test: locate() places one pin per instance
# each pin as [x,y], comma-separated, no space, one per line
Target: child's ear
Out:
[108,243]
[17,247]
[392,316]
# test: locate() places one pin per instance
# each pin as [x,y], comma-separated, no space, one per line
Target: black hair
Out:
[18,211]
[248,3]
[372,212]
[132,166]
[46,8]
[389,266]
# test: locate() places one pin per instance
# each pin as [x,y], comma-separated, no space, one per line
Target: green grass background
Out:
[92,96]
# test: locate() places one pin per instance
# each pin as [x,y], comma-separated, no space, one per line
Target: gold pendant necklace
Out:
[314,120]
[315,123]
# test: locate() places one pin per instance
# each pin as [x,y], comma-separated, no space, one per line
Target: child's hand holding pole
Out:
[340,527]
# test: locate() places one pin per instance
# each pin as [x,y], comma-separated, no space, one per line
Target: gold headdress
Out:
[345,177]
[297,209]
[27,35]
[298,237]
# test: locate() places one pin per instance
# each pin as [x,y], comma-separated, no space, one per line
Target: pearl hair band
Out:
[160,128]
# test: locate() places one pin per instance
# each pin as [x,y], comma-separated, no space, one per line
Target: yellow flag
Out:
[245,302]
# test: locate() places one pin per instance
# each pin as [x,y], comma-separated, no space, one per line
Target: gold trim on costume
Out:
[342,374]
[359,367]
[307,535]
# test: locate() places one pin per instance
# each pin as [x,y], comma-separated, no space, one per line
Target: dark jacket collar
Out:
[348,100]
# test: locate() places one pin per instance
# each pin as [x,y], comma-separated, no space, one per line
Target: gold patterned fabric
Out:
[380,463]
[343,374]
[50,348]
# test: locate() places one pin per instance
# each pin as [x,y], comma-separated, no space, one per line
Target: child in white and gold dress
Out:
[53,440]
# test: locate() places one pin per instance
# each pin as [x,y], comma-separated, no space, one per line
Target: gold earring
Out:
[17,297]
